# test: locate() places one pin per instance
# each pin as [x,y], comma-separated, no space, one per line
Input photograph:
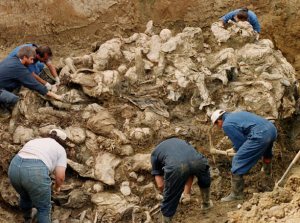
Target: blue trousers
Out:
[175,180]
[7,99]
[30,178]
[259,144]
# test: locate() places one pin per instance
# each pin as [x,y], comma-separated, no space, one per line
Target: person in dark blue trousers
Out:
[252,137]
[14,74]
[173,162]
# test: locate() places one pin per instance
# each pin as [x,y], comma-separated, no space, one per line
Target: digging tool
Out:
[288,169]
[213,150]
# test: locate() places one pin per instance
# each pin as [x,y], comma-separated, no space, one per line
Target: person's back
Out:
[52,153]
[245,121]
[15,51]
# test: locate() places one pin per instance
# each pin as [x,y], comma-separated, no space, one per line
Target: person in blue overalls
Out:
[252,137]
[43,57]
[173,162]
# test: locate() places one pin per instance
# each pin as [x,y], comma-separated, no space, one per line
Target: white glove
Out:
[48,86]
[57,80]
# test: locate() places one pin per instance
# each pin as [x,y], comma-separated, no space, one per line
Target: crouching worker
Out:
[29,173]
[173,162]
[14,74]
[252,137]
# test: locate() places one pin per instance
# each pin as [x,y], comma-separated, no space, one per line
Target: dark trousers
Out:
[175,179]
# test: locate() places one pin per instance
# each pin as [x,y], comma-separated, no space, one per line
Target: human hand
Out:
[230,151]
[54,88]
[48,86]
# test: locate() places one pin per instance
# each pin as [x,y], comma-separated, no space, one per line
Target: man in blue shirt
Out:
[242,15]
[43,56]
[252,137]
[173,162]
[14,74]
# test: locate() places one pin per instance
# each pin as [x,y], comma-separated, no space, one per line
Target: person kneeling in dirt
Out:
[29,173]
[242,14]
[37,68]
[252,137]
[173,162]
[14,74]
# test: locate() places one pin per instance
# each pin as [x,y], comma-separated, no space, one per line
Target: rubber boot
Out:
[166,219]
[206,202]
[267,166]
[237,187]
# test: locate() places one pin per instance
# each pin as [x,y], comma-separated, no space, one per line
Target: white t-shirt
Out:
[47,150]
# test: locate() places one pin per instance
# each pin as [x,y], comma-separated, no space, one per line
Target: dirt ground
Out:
[72,31]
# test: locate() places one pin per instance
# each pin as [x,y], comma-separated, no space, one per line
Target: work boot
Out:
[206,202]
[166,219]
[267,166]
[237,187]
[185,198]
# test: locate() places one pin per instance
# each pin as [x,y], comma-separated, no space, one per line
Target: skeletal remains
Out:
[131,93]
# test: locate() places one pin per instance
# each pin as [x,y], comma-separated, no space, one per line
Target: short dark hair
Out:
[54,136]
[26,51]
[242,15]
[42,50]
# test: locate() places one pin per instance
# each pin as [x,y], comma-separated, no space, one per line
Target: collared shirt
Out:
[13,74]
[37,66]
[238,126]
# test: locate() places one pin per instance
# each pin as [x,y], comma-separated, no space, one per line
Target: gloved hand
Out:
[48,86]
[57,80]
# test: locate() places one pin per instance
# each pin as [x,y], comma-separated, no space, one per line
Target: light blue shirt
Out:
[252,18]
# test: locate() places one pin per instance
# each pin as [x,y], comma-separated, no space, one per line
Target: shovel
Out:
[288,169]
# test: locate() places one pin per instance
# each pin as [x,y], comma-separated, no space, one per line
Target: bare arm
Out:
[159,182]
[55,96]
[59,177]
[52,69]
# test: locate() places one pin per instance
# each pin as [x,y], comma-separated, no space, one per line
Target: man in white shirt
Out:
[29,173]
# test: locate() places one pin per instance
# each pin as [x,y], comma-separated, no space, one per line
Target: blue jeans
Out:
[30,178]
[175,180]
[7,99]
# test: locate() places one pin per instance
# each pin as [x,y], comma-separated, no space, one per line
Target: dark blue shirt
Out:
[239,125]
[252,18]
[170,153]
[13,74]
[36,67]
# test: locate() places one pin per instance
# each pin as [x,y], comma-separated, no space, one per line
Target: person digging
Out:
[252,137]
[174,161]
